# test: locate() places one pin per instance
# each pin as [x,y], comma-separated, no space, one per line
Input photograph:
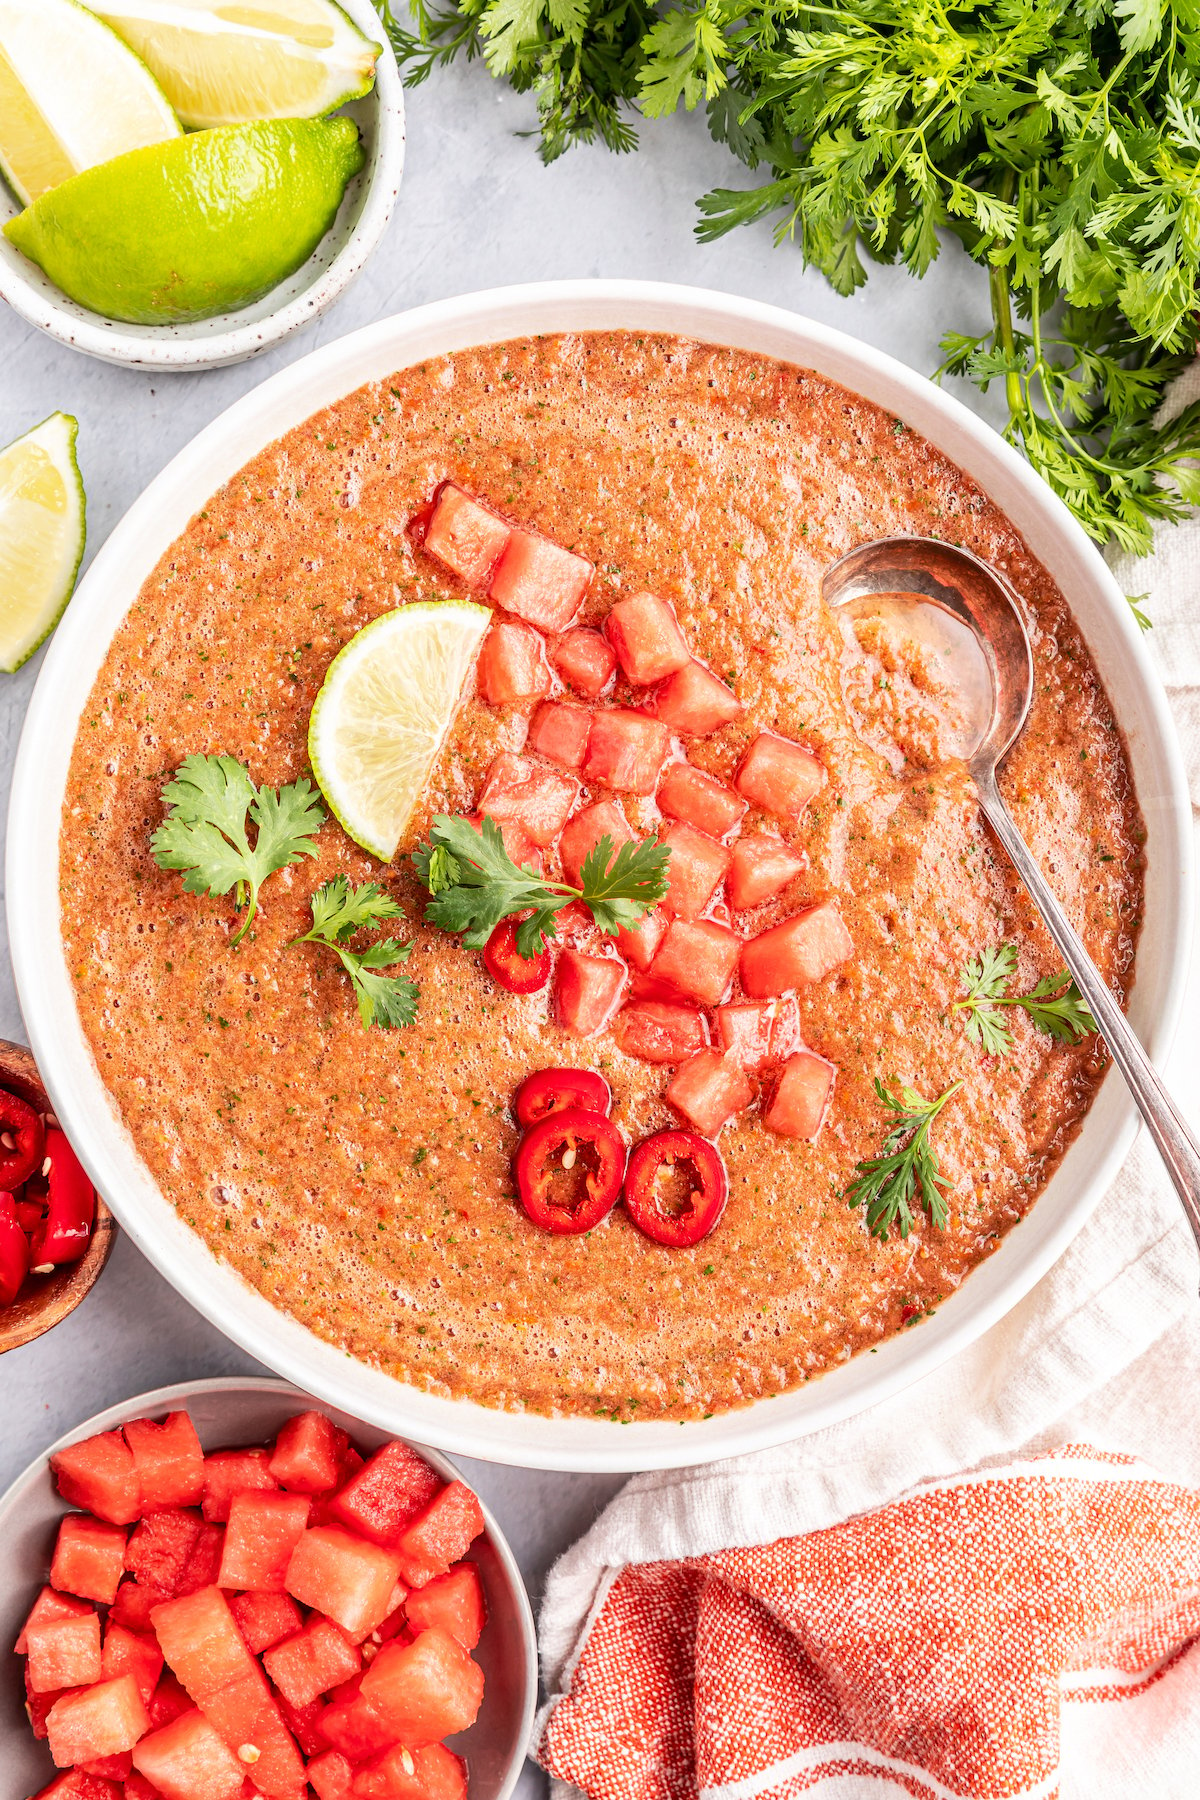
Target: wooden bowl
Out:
[45,1299]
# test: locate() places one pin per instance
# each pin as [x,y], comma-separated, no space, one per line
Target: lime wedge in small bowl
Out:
[382,715]
[42,534]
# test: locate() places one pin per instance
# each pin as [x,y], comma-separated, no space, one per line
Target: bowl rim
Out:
[36,300]
[177,1395]
[43,983]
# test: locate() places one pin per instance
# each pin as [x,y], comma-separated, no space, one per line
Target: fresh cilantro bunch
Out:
[338,912]
[906,1172]
[1054,1006]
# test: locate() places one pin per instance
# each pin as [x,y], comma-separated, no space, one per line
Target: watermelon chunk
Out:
[625,750]
[344,1577]
[230,1472]
[89,1558]
[305,1723]
[168,1460]
[660,1031]
[803,949]
[582,833]
[696,869]
[37,1706]
[308,1453]
[425,1690]
[189,1760]
[465,536]
[168,1702]
[77,1784]
[696,702]
[50,1605]
[204,1563]
[315,1660]
[134,1604]
[760,1035]
[587,991]
[560,732]
[645,634]
[512,669]
[452,1603]
[138,1788]
[779,775]
[760,867]
[585,660]
[699,799]
[63,1653]
[265,1619]
[709,1089]
[330,1776]
[130,1653]
[100,1476]
[262,1532]
[110,1768]
[158,1551]
[206,1651]
[356,1727]
[697,958]
[802,1096]
[96,1721]
[639,943]
[441,1536]
[529,795]
[540,581]
[430,1772]
[391,1488]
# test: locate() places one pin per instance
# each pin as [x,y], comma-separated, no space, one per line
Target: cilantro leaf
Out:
[1054,1006]
[338,911]
[1058,1009]
[621,889]
[906,1171]
[211,804]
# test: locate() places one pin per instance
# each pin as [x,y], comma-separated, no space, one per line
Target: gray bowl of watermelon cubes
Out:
[289,1558]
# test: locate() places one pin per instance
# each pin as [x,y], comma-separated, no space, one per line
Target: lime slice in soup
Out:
[383,712]
[71,95]
[222,62]
[42,533]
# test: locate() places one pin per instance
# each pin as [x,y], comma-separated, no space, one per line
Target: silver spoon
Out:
[967,588]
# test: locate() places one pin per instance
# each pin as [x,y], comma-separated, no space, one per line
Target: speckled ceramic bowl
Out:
[241,1411]
[232,337]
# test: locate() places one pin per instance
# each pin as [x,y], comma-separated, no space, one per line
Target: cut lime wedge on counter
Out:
[383,713]
[71,95]
[225,62]
[42,534]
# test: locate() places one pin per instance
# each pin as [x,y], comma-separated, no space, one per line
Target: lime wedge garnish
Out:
[71,95]
[225,62]
[383,712]
[42,534]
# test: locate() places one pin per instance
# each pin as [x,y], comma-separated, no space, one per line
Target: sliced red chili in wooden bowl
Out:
[676,1187]
[505,964]
[569,1169]
[552,1090]
[64,1232]
[22,1141]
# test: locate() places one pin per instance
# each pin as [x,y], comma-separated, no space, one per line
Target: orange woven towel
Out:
[929,1647]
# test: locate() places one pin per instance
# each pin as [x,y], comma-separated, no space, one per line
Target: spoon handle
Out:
[1177,1144]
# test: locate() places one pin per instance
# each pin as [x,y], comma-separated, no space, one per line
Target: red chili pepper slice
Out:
[14,1252]
[70,1208]
[505,964]
[569,1169]
[684,1209]
[552,1090]
[19,1122]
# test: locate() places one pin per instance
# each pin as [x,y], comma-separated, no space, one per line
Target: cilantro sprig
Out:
[907,1170]
[212,806]
[338,911]
[1054,1006]
[474,884]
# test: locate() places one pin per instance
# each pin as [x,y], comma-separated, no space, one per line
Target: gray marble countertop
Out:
[477,209]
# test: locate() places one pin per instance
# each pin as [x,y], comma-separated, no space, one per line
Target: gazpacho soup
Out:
[597,992]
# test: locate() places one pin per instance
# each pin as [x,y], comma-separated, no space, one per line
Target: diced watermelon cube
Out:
[698,958]
[696,702]
[645,634]
[307,1458]
[203,1646]
[560,731]
[540,581]
[305,1724]
[169,1701]
[391,1488]
[708,1090]
[138,1788]
[50,1605]
[761,1034]
[204,1563]
[330,1776]
[265,1619]
[660,1031]
[529,795]
[585,659]
[356,1727]
[346,1578]
[63,1653]
[779,775]
[230,1472]
[96,1721]
[465,536]
[135,1602]
[582,833]
[37,1706]
[425,1690]
[100,1476]
[89,1558]
[262,1532]
[802,1095]
[158,1551]
[512,669]
[638,943]
[76,1784]
[315,1660]
[699,799]
[168,1460]
[587,991]
[760,867]
[626,750]
[441,1535]
[190,1760]
[452,1603]
[429,1772]
[109,1768]
[696,869]
[801,950]
[131,1653]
